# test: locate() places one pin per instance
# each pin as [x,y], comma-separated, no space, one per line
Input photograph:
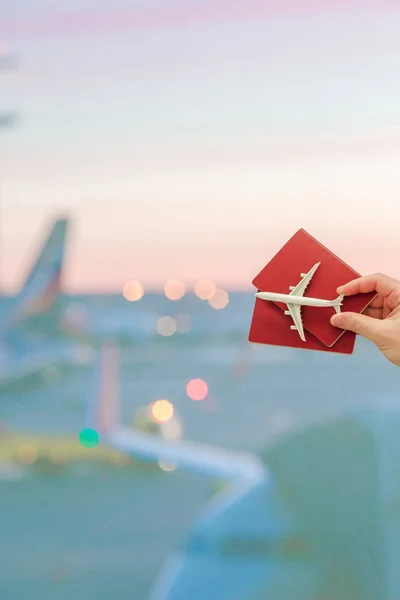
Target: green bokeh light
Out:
[89,438]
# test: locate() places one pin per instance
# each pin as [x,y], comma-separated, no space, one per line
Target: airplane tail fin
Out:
[103,402]
[338,303]
[43,283]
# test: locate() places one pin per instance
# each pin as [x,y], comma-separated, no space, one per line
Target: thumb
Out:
[368,327]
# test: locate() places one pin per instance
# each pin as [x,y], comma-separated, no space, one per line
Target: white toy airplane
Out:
[296,299]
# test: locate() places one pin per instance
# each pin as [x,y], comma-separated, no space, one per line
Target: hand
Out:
[380,322]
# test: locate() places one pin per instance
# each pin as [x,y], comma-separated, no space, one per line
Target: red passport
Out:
[270,325]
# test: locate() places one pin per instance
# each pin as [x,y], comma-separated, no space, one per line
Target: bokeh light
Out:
[133,291]
[197,389]
[220,300]
[27,454]
[144,420]
[172,429]
[183,323]
[162,411]
[166,326]
[166,467]
[174,289]
[204,289]
[89,438]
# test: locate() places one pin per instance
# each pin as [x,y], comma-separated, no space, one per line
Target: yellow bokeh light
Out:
[220,300]
[133,291]
[162,411]
[174,289]
[204,289]
[166,326]
[27,454]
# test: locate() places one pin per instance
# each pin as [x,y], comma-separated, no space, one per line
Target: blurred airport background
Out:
[154,156]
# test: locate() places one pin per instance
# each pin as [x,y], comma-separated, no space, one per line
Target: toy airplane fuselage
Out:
[296,299]
[301,300]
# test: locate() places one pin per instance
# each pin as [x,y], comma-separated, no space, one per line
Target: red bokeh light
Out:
[197,389]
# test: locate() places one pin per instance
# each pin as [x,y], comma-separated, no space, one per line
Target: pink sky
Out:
[177,14]
[197,146]
[342,188]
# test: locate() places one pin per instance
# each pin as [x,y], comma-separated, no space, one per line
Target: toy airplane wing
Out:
[301,287]
[295,309]
[103,417]
[295,313]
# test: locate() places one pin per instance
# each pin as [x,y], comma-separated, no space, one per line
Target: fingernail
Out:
[340,289]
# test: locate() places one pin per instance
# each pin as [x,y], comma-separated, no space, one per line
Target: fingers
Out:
[383,284]
[370,328]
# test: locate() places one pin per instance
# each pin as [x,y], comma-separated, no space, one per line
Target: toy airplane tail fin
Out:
[43,283]
[338,303]
[103,401]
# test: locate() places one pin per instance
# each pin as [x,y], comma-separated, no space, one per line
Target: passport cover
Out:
[269,323]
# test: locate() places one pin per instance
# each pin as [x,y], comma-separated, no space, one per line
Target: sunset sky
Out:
[190,139]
